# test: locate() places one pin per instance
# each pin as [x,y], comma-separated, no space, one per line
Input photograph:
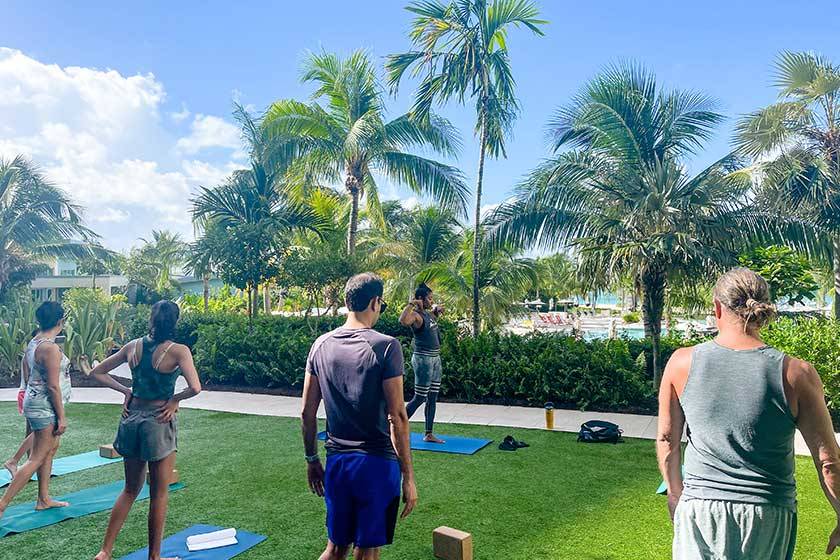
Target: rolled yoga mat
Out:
[67,465]
[23,517]
[176,545]
[454,444]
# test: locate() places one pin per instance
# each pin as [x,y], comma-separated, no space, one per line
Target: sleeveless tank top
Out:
[740,428]
[427,338]
[36,402]
[147,382]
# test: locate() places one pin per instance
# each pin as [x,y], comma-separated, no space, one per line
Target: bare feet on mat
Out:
[50,504]
[432,438]
[11,466]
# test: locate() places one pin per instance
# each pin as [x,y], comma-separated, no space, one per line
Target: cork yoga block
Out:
[108,452]
[452,544]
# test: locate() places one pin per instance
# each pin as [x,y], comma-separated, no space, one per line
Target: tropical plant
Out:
[17,323]
[787,272]
[226,300]
[797,140]
[505,279]
[153,264]
[348,140]
[428,236]
[460,49]
[557,276]
[37,221]
[91,329]
[245,222]
[622,199]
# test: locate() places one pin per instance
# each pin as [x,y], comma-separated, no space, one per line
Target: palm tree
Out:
[429,236]
[163,254]
[37,221]
[348,140]
[461,51]
[246,220]
[622,200]
[505,276]
[798,141]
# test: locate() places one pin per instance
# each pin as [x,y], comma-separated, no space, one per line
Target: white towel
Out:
[216,539]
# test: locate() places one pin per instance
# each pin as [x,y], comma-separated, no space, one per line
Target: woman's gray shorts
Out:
[141,436]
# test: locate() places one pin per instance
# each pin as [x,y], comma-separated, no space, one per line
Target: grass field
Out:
[557,499]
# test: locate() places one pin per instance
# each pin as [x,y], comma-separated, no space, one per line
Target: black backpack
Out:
[599,431]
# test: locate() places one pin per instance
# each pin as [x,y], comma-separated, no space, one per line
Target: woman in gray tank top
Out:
[741,402]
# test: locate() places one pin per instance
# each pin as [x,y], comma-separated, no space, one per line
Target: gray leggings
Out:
[427,376]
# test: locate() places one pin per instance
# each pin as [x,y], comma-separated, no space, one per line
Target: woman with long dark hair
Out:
[47,370]
[148,430]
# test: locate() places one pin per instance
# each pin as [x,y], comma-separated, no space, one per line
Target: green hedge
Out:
[492,368]
[816,341]
[497,368]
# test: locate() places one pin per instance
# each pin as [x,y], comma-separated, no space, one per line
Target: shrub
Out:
[490,368]
[631,317]
[814,340]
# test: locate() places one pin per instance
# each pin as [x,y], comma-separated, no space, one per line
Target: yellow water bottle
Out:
[549,416]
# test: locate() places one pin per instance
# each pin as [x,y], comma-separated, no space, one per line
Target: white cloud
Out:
[114,215]
[208,131]
[410,203]
[100,135]
[181,115]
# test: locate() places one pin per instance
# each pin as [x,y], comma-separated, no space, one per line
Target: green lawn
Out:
[558,499]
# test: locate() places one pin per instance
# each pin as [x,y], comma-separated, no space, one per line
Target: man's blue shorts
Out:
[363,498]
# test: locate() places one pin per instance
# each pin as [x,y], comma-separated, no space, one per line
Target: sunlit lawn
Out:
[557,499]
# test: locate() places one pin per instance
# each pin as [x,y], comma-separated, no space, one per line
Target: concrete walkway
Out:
[633,425]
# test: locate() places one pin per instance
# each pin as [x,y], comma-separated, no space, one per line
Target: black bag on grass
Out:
[599,431]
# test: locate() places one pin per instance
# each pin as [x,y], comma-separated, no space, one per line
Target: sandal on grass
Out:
[508,444]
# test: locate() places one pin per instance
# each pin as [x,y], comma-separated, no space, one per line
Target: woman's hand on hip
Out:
[60,427]
[167,412]
[126,403]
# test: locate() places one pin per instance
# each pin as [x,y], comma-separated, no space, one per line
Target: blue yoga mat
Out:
[23,517]
[67,465]
[454,444]
[176,545]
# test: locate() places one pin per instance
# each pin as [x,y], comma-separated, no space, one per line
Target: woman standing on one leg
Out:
[47,393]
[148,431]
[421,315]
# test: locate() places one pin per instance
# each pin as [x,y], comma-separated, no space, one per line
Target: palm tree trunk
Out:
[205,280]
[353,185]
[477,239]
[266,299]
[837,278]
[653,304]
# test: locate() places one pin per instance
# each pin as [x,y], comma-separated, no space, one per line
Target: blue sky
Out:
[128,106]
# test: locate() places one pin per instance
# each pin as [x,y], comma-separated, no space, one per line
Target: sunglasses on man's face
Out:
[382,306]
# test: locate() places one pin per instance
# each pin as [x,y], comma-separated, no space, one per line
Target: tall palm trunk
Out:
[837,278]
[266,299]
[353,184]
[477,239]
[653,305]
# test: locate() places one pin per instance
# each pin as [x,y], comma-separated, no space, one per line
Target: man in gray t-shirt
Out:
[358,373]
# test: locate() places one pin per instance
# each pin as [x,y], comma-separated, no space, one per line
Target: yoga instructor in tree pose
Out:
[148,430]
[742,401]
[421,314]
[47,392]
[358,372]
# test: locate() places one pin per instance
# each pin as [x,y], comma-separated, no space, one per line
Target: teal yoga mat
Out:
[23,517]
[67,465]
[663,489]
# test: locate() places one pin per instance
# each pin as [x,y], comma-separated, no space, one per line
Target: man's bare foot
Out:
[11,466]
[102,556]
[50,504]
[432,438]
